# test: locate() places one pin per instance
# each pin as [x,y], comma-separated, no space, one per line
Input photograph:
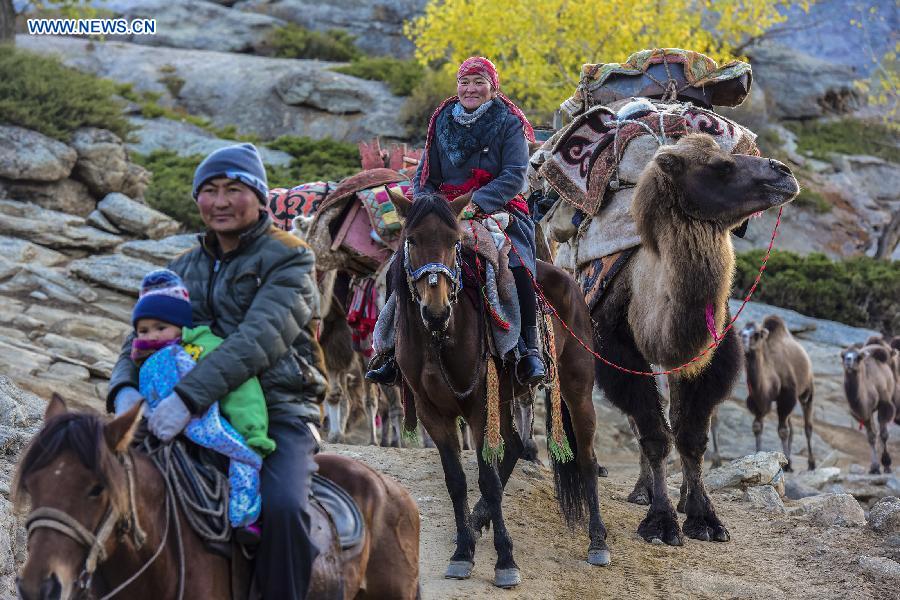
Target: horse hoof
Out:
[459,569]
[507,578]
[598,558]
[639,497]
[602,471]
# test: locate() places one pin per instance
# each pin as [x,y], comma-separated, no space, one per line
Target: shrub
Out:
[42,94]
[170,187]
[846,136]
[863,291]
[401,76]
[425,97]
[294,41]
[316,160]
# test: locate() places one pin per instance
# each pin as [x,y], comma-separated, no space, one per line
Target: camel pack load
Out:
[622,113]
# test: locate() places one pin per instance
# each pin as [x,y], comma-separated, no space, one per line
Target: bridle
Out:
[432,270]
[113,520]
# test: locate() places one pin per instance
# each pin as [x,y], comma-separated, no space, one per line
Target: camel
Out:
[894,347]
[778,371]
[869,384]
[685,204]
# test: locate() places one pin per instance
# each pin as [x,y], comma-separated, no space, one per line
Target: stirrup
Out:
[386,374]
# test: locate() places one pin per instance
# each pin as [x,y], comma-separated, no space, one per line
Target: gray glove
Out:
[126,398]
[169,418]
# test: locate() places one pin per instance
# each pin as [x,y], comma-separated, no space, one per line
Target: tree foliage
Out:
[540,45]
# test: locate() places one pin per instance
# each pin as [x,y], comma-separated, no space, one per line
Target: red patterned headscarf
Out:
[476,65]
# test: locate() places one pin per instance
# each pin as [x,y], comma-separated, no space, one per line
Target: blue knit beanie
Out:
[164,297]
[240,162]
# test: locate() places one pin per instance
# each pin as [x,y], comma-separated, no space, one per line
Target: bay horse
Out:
[440,349]
[104,519]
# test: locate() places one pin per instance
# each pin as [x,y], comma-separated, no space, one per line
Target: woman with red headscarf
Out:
[478,140]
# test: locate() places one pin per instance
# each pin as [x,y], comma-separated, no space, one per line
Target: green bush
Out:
[42,94]
[425,97]
[314,160]
[170,186]
[846,136]
[401,76]
[864,292]
[294,41]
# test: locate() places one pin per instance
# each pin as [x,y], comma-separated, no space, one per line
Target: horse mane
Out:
[80,433]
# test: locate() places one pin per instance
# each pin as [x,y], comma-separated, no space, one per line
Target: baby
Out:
[166,346]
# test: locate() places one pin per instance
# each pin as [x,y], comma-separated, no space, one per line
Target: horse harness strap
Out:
[52,518]
[432,270]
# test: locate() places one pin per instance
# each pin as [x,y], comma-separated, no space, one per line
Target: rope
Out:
[493,448]
[557,442]
[679,368]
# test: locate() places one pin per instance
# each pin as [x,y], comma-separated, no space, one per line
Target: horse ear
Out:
[401,202]
[120,431]
[457,205]
[56,407]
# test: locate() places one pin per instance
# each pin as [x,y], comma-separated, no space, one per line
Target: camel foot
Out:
[874,470]
[706,528]
[888,469]
[811,465]
[459,569]
[788,468]
[641,494]
[480,519]
[602,471]
[661,527]
[507,578]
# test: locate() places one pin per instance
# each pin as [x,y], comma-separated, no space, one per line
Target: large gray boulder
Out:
[65,195]
[195,24]
[884,515]
[160,252]
[27,154]
[186,139]
[49,228]
[252,105]
[137,218]
[799,86]
[23,252]
[830,510]
[761,468]
[102,161]
[377,24]
[114,271]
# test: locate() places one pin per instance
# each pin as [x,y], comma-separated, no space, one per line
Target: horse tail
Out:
[567,477]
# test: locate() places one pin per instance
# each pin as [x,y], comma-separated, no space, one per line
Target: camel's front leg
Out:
[693,402]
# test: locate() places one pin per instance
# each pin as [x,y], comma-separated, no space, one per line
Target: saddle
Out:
[341,508]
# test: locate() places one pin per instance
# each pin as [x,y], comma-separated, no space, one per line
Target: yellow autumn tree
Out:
[540,45]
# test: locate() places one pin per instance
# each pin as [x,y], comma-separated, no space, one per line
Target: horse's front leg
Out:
[506,571]
[444,434]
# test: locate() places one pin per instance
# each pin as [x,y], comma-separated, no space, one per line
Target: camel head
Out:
[705,183]
[852,356]
[752,337]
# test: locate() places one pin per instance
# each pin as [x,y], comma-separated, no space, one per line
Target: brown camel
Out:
[685,204]
[869,385]
[778,371]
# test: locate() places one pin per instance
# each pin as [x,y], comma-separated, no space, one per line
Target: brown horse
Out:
[102,518]
[440,350]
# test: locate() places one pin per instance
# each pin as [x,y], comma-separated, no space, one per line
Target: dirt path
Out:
[768,557]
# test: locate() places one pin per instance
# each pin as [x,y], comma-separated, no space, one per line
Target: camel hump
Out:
[878,352]
[895,342]
[775,325]
[876,340]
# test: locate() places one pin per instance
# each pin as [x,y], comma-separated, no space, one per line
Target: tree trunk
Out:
[7,22]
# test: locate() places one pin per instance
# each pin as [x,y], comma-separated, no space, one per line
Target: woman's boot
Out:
[530,369]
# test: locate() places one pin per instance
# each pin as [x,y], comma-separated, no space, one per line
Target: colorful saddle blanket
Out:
[586,156]
[304,199]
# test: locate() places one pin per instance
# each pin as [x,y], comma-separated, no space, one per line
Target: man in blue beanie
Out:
[253,285]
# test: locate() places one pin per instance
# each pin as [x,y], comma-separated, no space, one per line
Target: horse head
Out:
[430,251]
[75,476]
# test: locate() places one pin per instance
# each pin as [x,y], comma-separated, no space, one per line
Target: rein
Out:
[63,522]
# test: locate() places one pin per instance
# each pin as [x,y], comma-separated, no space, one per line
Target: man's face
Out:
[227,206]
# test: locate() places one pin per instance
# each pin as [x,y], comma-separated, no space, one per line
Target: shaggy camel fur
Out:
[869,385]
[778,371]
[685,204]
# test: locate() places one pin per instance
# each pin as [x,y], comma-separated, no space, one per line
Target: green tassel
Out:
[560,452]
[411,436]
[492,455]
